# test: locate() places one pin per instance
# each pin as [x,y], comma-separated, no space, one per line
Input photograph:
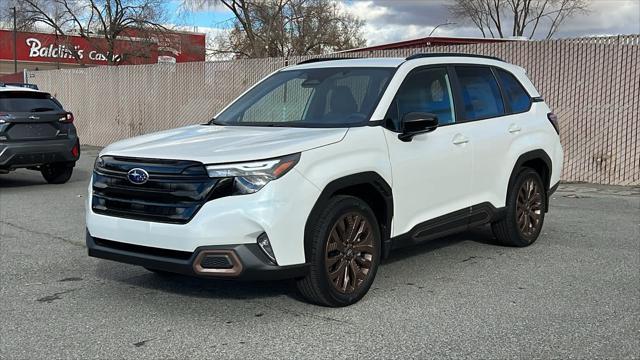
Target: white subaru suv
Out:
[317,172]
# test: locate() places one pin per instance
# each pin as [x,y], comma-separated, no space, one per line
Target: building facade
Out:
[41,51]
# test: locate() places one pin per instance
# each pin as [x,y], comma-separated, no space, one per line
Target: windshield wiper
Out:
[41,109]
[213,122]
[258,124]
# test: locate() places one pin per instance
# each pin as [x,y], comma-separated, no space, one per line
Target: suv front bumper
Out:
[224,222]
[245,261]
[22,154]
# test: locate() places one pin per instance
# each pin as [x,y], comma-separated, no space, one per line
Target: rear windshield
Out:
[27,101]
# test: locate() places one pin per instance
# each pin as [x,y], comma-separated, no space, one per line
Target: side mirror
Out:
[415,123]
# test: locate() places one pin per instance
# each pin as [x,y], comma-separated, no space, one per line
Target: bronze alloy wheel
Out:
[529,209]
[349,252]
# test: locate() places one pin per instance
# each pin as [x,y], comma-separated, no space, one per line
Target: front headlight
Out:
[99,163]
[250,177]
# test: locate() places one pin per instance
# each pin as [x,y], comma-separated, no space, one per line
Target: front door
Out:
[431,173]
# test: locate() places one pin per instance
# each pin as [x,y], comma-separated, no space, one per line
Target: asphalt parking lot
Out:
[573,294]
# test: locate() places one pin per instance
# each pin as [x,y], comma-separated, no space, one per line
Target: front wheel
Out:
[525,210]
[58,173]
[344,253]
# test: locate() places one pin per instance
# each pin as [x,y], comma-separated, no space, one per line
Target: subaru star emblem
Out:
[138,176]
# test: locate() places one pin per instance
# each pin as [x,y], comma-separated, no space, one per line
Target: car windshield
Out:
[324,97]
[27,101]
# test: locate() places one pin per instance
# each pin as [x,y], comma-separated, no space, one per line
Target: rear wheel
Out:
[525,210]
[344,255]
[57,173]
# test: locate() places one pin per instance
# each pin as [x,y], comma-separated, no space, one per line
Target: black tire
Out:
[518,227]
[58,173]
[361,254]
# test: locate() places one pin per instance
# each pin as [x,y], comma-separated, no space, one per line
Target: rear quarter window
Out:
[27,101]
[515,94]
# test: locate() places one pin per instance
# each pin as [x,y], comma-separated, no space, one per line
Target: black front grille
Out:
[173,193]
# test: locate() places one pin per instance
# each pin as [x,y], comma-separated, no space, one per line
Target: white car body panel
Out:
[211,144]
[363,149]
[420,191]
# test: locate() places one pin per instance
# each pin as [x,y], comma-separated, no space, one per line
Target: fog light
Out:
[265,245]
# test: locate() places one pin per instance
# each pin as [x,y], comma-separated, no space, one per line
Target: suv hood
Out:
[211,144]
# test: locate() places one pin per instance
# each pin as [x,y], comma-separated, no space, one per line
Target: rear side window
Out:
[515,94]
[480,93]
[27,101]
[426,91]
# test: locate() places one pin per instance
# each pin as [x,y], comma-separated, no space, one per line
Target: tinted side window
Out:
[516,96]
[480,92]
[427,91]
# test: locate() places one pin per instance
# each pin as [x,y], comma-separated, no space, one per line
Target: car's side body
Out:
[475,175]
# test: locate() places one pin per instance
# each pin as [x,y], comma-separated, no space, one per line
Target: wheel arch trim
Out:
[537,154]
[334,187]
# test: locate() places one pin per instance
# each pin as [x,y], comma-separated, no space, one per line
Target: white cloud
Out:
[606,17]
[396,20]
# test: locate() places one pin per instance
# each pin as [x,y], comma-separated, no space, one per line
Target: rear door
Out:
[29,115]
[494,104]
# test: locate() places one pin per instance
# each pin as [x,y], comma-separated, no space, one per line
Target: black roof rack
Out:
[325,59]
[429,55]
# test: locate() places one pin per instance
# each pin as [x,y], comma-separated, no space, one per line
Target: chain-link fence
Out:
[593,86]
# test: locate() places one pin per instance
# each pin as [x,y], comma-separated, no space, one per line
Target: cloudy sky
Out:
[394,20]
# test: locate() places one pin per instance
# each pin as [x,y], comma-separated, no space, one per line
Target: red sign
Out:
[49,48]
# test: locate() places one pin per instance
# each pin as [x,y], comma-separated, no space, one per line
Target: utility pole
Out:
[15,42]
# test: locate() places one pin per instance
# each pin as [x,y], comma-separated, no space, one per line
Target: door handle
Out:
[460,139]
[514,129]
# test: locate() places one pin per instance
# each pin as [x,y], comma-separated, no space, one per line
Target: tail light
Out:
[75,151]
[67,118]
[554,121]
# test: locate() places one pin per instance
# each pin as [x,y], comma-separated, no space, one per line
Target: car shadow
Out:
[247,290]
[193,286]
[482,235]
[7,181]
[28,178]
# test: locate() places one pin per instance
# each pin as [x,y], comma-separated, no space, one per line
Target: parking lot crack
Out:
[34,232]
[142,343]
[56,296]
[298,313]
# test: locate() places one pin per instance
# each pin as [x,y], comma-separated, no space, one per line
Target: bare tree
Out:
[105,24]
[271,28]
[492,17]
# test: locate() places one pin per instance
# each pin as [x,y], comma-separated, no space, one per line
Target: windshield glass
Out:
[326,97]
[27,101]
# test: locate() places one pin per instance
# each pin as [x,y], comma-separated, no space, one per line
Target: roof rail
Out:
[325,59]
[429,55]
